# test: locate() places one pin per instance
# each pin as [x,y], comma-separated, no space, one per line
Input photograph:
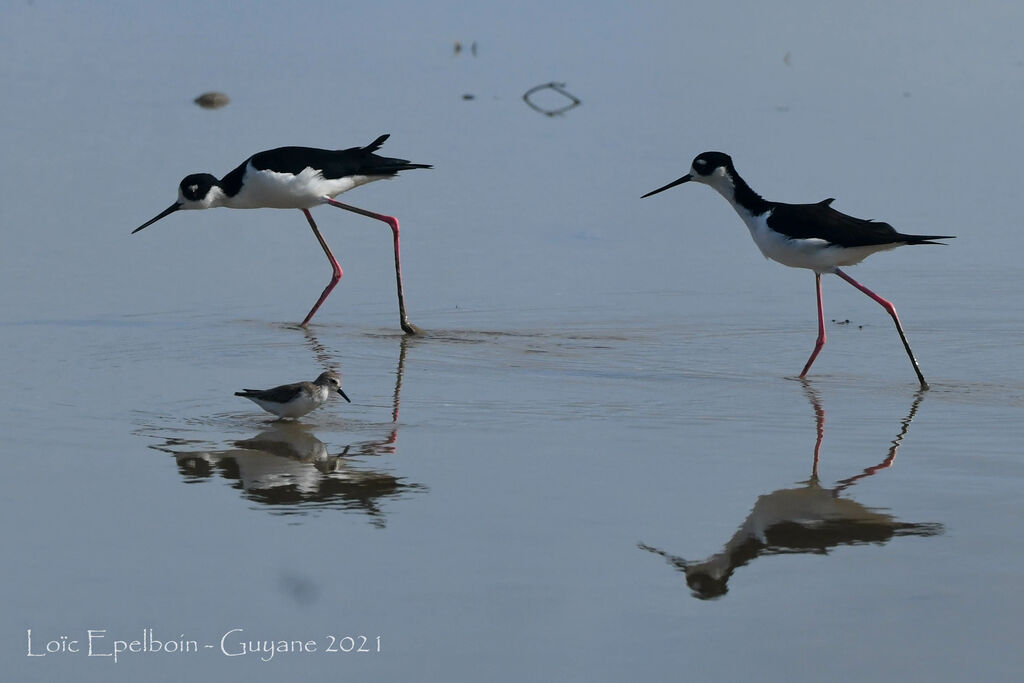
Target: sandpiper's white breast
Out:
[308,399]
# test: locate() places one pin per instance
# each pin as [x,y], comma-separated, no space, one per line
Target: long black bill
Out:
[166,212]
[684,179]
[343,395]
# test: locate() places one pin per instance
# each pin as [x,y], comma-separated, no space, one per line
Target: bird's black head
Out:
[705,164]
[710,168]
[196,191]
[195,187]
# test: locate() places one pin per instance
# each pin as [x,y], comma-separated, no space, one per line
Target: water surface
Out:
[596,463]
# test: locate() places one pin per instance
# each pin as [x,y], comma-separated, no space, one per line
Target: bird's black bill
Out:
[344,396]
[684,179]
[166,212]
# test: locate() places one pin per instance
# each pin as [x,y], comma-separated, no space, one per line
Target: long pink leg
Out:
[821,327]
[393,222]
[895,318]
[334,265]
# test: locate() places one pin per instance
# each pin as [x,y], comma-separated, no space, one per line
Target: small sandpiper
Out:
[297,399]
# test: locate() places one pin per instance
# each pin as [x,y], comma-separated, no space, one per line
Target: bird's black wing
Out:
[281,394]
[821,221]
[333,163]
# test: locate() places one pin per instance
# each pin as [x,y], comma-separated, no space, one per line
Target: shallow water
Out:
[596,462]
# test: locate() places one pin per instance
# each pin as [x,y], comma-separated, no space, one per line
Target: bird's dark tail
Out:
[387,164]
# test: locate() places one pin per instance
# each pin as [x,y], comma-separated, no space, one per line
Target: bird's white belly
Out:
[815,254]
[273,190]
[296,408]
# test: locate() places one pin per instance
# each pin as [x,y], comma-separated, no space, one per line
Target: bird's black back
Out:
[821,221]
[333,164]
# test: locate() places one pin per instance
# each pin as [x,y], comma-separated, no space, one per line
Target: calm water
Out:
[596,462]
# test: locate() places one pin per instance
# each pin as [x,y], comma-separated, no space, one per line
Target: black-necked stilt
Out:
[295,400]
[812,236]
[298,178]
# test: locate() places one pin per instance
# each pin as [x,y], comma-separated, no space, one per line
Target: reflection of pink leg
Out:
[819,423]
[393,222]
[334,265]
[895,318]
[821,327]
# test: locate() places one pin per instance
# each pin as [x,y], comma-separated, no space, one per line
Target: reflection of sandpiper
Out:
[806,519]
[297,399]
[286,467]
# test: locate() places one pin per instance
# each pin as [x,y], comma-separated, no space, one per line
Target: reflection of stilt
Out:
[389,444]
[809,519]
[396,397]
[819,418]
[904,426]
[399,371]
[323,357]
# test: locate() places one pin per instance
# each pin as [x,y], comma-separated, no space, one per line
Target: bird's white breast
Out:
[812,253]
[274,190]
[303,403]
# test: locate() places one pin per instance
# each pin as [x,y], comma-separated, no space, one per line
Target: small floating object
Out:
[295,400]
[558,88]
[458,48]
[212,100]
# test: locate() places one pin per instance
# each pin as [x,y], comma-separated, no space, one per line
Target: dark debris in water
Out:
[458,48]
[212,100]
[559,88]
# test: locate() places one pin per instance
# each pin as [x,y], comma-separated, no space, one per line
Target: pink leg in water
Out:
[892,311]
[334,265]
[821,327]
[393,222]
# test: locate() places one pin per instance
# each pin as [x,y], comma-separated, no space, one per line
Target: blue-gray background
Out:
[598,372]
